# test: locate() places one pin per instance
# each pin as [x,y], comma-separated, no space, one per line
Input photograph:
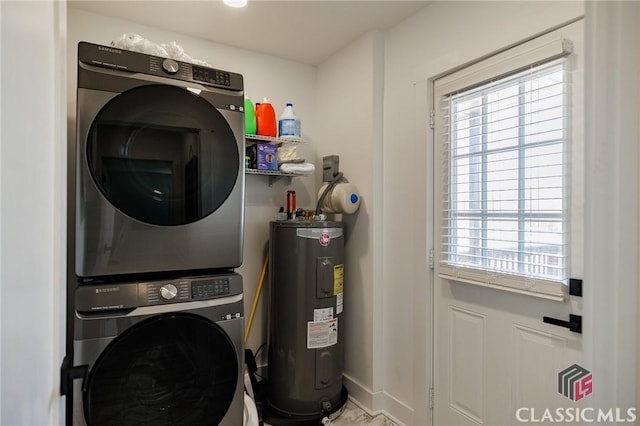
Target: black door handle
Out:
[574,324]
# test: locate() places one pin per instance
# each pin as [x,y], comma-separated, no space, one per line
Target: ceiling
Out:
[306,31]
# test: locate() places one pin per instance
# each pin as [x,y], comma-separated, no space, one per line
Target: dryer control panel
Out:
[135,62]
[123,296]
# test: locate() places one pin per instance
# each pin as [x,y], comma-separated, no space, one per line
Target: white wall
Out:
[32,166]
[280,80]
[349,101]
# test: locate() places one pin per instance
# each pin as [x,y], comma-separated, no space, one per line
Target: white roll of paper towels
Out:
[342,198]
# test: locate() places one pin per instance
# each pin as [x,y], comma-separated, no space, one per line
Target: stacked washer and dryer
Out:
[156,217]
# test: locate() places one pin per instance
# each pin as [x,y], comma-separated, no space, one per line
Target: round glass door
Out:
[163,155]
[175,369]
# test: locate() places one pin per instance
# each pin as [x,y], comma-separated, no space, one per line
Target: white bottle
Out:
[288,124]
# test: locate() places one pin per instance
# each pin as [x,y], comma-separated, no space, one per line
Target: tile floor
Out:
[354,415]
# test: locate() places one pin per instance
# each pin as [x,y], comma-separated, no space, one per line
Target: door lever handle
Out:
[574,324]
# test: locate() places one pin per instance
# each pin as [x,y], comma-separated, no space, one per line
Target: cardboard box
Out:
[267,156]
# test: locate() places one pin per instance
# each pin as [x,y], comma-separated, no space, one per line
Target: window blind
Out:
[505,179]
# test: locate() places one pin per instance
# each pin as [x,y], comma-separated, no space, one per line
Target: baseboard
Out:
[374,403]
[362,396]
[398,411]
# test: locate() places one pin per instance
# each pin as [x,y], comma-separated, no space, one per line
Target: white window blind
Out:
[505,177]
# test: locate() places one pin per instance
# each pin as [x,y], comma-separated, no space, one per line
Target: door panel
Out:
[493,355]
[467,355]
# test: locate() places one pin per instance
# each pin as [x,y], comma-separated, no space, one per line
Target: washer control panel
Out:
[210,288]
[201,288]
[159,292]
[127,296]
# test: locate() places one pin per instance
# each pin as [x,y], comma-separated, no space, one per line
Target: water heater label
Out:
[316,233]
[322,314]
[339,303]
[321,334]
[338,279]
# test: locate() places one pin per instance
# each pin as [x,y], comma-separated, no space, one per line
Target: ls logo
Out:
[575,382]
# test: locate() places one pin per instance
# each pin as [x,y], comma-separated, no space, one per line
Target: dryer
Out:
[167,352]
[159,159]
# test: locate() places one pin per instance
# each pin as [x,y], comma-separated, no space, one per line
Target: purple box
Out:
[267,156]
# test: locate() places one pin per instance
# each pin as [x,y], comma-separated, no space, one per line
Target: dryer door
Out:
[163,155]
[174,369]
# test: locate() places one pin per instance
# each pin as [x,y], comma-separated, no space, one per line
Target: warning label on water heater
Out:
[322,314]
[338,279]
[321,334]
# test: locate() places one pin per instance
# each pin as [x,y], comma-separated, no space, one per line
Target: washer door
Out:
[174,369]
[163,155]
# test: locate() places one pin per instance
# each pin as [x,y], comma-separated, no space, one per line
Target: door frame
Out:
[611,321]
[423,296]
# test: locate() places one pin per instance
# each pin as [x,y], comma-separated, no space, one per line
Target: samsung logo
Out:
[107,290]
[109,49]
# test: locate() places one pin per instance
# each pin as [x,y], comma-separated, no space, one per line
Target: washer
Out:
[159,353]
[159,156]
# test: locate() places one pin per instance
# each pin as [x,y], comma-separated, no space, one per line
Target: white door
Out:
[495,361]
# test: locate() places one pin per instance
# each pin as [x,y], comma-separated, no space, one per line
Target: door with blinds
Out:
[508,154]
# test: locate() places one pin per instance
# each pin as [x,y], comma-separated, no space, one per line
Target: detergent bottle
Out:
[266,119]
[249,117]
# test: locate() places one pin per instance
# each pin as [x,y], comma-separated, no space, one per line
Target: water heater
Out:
[306,306]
